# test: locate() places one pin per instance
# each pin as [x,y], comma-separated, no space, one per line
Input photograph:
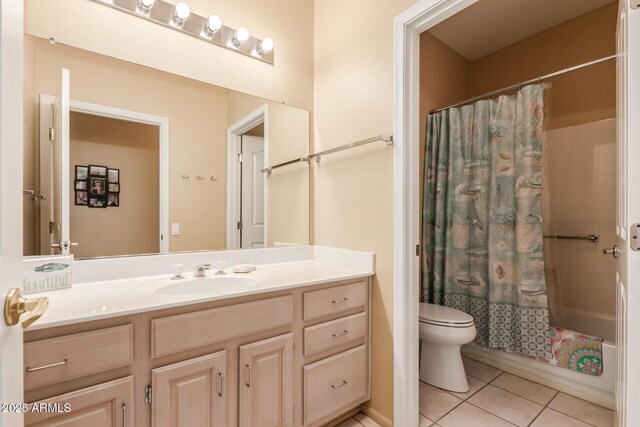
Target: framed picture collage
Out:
[97,186]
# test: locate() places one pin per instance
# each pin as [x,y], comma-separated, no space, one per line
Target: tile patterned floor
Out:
[359,420]
[497,399]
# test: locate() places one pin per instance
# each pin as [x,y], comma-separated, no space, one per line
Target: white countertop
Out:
[100,300]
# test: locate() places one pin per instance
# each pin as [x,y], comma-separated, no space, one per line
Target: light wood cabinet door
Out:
[191,393]
[105,405]
[266,383]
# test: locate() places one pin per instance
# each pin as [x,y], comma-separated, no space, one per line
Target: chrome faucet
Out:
[201,270]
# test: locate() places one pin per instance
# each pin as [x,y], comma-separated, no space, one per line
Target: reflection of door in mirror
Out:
[46,205]
[116,212]
[252,189]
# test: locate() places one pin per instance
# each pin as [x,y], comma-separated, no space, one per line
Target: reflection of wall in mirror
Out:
[199,115]
[287,188]
[197,128]
[133,148]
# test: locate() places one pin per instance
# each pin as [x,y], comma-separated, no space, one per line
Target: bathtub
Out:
[599,390]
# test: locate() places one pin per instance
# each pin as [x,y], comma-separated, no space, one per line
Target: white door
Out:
[11,86]
[628,214]
[60,167]
[54,169]
[252,189]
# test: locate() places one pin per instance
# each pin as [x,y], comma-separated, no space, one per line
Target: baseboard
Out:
[376,416]
[343,418]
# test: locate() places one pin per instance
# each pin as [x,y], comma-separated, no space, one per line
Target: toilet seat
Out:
[438,315]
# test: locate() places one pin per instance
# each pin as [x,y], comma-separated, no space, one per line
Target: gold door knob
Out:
[15,305]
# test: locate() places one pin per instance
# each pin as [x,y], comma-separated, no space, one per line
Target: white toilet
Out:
[443,331]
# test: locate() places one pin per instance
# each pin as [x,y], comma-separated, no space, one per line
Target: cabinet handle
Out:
[221,378]
[40,368]
[340,385]
[248,382]
[340,301]
[340,334]
[124,415]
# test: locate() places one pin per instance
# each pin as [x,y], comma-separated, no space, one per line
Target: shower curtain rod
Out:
[528,82]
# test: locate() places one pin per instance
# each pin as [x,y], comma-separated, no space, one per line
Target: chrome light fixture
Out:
[265,47]
[212,27]
[144,6]
[180,15]
[241,36]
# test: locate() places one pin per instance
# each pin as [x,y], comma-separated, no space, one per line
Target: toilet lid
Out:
[441,315]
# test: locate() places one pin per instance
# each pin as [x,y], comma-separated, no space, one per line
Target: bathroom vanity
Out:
[287,345]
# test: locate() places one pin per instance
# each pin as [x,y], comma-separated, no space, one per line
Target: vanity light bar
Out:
[183,20]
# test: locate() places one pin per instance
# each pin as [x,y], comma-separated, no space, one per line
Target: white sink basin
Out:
[205,285]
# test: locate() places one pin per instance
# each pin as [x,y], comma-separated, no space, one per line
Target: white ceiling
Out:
[491,25]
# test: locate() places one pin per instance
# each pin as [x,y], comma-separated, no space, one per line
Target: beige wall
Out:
[286,131]
[353,206]
[444,80]
[582,39]
[92,26]
[197,115]
[133,148]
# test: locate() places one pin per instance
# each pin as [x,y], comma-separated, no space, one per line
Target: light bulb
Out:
[265,47]
[212,27]
[214,23]
[180,15]
[144,6]
[182,11]
[242,35]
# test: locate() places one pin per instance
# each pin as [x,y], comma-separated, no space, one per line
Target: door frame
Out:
[406,278]
[11,230]
[234,149]
[135,117]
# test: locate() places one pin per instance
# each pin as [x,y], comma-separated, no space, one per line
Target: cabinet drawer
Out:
[336,300]
[108,404]
[332,334]
[334,385]
[191,330]
[67,357]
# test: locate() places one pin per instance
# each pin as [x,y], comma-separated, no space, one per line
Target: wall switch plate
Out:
[175,228]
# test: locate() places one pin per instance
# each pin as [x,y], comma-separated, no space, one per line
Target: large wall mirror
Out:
[125,159]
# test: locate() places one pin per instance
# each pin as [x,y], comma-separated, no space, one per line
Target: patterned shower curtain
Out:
[482,234]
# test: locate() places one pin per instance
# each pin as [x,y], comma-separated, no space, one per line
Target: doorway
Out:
[125,135]
[247,190]
[252,189]
[408,28]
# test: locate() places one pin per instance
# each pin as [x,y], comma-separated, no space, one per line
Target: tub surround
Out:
[286,345]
